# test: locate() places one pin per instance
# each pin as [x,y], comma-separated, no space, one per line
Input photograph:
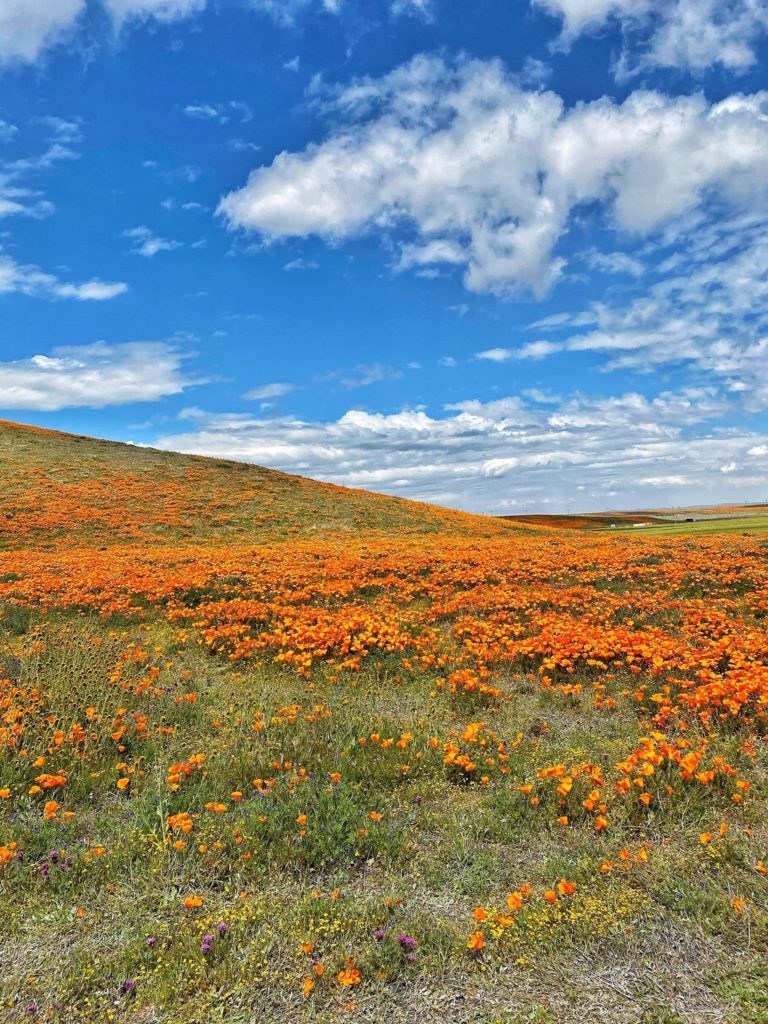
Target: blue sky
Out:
[502,256]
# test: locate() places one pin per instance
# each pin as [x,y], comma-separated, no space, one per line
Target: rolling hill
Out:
[97,492]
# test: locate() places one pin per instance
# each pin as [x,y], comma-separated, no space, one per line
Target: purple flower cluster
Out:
[208,940]
[407,943]
[54,857]
[127,986]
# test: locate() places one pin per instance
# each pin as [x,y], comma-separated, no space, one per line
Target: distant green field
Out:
[742,524]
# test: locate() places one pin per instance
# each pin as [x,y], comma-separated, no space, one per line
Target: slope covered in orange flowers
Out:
[63,488]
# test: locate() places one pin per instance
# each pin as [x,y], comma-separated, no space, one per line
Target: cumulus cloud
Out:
[31,280]
[488,176]
[689,34]
[94,376]
[512,452]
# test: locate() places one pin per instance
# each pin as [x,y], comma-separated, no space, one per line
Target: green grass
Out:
[703,527]
[441,849]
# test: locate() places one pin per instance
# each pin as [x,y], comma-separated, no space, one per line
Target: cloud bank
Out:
[487,176]
[509,454]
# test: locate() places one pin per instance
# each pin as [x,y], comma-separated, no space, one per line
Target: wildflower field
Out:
[275,751]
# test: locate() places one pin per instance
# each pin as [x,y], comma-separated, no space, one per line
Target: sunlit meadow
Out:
[271,750]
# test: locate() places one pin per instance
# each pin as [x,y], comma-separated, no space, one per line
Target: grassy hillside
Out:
[366,760]
[80,490]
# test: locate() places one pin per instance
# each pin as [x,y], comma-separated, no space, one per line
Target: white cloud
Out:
[94,290]
[220,112]
[424,9]
[710,315]
[285,12]
[584,15]
[614,262]
[243,146]
[485,456]
[202,111]
[93,376]
[537,350]
[163,10]
[689,34]
[439,250]
[363,375]
[148,243]
[18,198]
[531,350]
[301,264]
[487,173]
[267,391]
[663,481]
[28,279]
[27,27]
[496,355]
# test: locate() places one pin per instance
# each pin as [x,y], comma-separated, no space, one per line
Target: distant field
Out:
[658,522]
[754,523]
